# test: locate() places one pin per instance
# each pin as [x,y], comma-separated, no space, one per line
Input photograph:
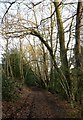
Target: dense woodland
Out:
[42,47]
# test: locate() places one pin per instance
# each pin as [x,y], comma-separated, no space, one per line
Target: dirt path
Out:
[38,103]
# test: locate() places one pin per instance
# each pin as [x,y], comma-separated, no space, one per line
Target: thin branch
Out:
[11,3]
[70,18]
[37,3]
[50,15]
[70,33]
[33,4]
[5,2]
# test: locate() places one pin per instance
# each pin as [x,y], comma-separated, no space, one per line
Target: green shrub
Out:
[30,78]
[55,85]
[9,89]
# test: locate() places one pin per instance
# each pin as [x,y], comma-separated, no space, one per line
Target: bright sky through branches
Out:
[66,12]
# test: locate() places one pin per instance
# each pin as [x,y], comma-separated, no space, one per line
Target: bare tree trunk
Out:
[7,59]
[78,56]
[63,52]
[51,43]
[10,66]
[45,67]
[77,35]
[21,62]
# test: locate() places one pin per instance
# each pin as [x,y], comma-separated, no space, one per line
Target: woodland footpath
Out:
[41,45]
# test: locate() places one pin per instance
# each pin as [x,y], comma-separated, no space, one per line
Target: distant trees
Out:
[11,83]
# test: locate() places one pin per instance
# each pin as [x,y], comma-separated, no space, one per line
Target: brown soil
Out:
[38,103]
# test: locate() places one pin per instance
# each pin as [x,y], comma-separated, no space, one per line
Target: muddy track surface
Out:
[37,103]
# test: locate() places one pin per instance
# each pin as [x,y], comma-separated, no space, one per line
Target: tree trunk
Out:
[21,62]
[78,55]
[63,53]
[77,35]
[51,43]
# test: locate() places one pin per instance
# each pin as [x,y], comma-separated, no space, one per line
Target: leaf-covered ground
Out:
[38,103]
